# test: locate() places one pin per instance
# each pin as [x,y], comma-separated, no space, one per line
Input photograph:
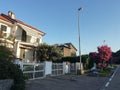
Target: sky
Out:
[99,21]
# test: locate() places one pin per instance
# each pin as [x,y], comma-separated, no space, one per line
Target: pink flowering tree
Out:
[102,57]
[104,53]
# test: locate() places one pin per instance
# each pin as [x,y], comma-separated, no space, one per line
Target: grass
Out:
[105,73]
[101,73]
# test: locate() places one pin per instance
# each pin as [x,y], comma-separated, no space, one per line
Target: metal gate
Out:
[57,69]
[33,70]
[73,68]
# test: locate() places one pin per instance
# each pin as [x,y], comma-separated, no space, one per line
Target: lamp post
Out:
[79,9]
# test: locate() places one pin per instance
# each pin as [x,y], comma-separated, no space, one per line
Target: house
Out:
[19,37]
[68,49]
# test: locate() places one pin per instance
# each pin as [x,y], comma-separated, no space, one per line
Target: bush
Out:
[6,54]
[8,70]
[101,73]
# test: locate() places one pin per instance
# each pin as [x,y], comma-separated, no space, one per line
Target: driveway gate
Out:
[57,69]
[33,70]
[73,68]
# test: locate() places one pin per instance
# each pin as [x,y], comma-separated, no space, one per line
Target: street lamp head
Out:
[80,8]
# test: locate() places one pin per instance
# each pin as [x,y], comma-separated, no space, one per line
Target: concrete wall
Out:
[6,84]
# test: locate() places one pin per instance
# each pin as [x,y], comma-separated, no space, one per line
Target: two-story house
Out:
[68,49]
[19,37]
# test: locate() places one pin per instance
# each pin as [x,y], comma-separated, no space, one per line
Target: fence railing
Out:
[33,70]
[57,69]
[73,68]
[44,69]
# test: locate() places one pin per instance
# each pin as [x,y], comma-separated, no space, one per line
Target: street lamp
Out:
[79,9]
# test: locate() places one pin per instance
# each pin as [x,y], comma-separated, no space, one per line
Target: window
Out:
[24,35]
[3,31]
[38,40]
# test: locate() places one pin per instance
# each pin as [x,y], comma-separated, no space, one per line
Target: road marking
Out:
[107,84]
[110,79]
[113,75]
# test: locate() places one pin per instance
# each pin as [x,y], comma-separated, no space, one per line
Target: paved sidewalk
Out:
[67,82]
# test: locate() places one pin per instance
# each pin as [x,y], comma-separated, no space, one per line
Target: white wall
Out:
[33,39]
[65,69]
[8,29]
[78,66]
[17,49]
[18,33]
[48,68]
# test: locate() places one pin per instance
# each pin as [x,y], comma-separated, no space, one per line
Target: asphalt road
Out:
[67,82]
[114,83]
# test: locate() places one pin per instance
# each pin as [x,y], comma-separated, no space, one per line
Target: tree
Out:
[5,53]
[105,53]
[54,53]
[94,56]
[47,52]
[116,57]
[102,57]
[42,52]
[85,61]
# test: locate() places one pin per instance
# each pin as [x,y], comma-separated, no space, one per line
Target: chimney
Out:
[11,14]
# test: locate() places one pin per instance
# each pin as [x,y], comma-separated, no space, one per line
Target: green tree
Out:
[6,54]
[85,61]
[47,52]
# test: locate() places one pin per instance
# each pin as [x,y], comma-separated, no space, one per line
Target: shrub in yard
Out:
[8,70]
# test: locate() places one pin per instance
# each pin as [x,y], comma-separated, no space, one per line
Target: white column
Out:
[17,49]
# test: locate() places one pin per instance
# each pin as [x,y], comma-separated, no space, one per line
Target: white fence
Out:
[33,70]
[43,69]
[73,68]
[57,69]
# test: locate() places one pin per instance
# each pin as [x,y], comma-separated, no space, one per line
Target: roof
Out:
[10,20]
[67,45]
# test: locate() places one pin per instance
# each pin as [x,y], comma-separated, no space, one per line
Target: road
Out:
[74,82]
[114,83]
[67,82]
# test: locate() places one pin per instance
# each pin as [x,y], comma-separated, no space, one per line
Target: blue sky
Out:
[99,20]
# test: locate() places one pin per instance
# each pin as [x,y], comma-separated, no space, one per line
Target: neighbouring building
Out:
[19,37]
[68,49]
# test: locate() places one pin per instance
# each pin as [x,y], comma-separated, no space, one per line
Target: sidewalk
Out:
[67,82]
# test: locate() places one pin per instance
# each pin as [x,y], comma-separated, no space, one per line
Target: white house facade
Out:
[19,37]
